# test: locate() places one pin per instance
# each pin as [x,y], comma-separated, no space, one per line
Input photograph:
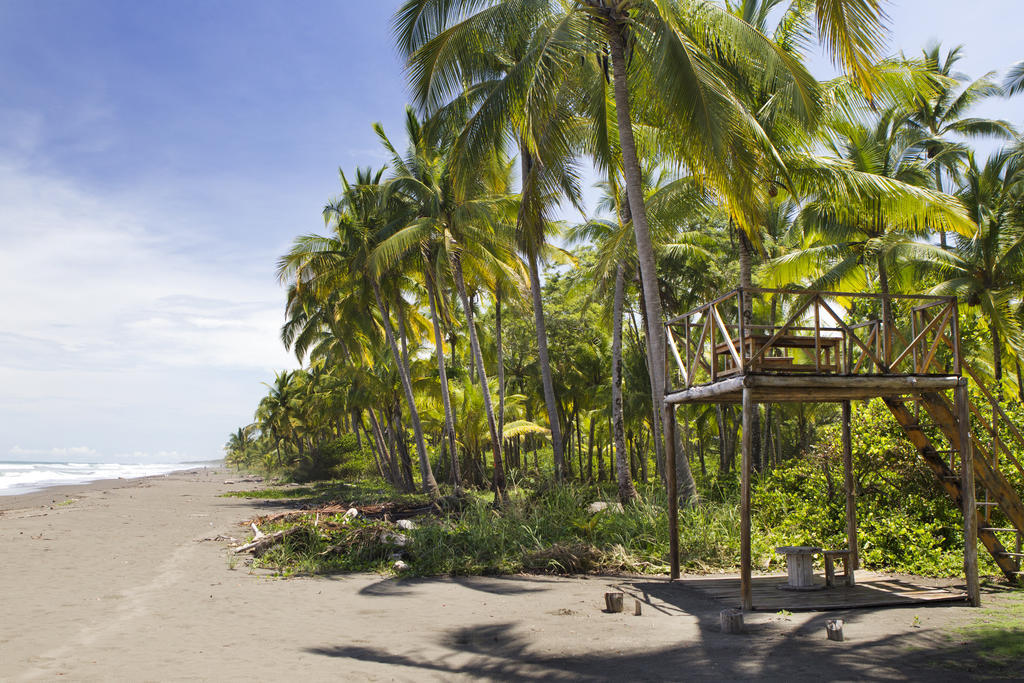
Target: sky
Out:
[157,158]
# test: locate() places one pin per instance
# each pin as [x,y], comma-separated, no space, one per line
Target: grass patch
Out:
[997,635]
[548,530]
[333,491]
[272,493]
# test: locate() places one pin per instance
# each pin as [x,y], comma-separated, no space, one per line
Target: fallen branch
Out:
[260,545]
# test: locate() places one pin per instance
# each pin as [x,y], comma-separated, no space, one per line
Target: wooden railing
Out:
[815,335]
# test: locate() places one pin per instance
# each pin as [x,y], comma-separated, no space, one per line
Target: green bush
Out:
[906,523]
[339,458]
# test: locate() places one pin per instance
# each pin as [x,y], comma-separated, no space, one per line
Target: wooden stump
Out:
[637,609]
[613,601]
[732,620]
[834,629]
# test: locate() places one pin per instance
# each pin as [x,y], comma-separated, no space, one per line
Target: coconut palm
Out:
[490,53]
[986,271]
[850,240]
[359,218]
[1014,81]
[940,114]
[457,222]
[672,79]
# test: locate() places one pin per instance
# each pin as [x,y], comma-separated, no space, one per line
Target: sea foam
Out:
[25,477]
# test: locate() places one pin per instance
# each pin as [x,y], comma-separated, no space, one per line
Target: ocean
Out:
[26,477]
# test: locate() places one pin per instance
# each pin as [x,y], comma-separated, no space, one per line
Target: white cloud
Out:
[72,452]
[123,328]
[96,282]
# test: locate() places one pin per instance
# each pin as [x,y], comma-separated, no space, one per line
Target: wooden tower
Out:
[839,347]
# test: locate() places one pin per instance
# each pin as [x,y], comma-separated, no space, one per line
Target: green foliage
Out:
[548,530]
[272,493]
[997,635]
[338,458]
[905,523]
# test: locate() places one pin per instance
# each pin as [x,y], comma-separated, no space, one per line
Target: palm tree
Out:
[615,258]
[490,53]
[674,80]
[1014,81]
[341,263]
[986,271]
[941,112]
[850,236]
[457,222]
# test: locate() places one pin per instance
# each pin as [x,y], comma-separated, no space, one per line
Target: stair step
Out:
[944,461]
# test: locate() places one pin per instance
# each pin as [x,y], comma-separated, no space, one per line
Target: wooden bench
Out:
[830,570]
[825,348]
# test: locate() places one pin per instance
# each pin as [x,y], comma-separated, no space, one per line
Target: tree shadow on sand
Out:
[494,585]
[501,651]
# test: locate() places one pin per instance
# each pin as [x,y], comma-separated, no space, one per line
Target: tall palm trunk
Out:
[590,455]
[997,362]
[888,321]
[446,399]
[938,186]
[501,364]
[656,440]
[641,232]
[627,491]
[747,282]
[547,382]
[426,471]
[391,459]
[429,485]
[498,476]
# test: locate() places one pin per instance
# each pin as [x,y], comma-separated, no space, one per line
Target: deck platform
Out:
[872,590]
[772,388]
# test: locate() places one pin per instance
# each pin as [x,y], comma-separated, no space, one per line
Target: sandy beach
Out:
[119,580]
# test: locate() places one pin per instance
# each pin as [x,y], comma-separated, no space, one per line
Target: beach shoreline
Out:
[91,474]
[135,580]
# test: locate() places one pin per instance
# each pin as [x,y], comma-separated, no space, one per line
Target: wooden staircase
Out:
[999,493]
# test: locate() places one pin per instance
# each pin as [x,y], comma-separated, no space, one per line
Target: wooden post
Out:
[670,484]
[741,330]
[731,621]
[613,601]
[748,441]
[955,328]
[851,500]
[970,508]
[817,335]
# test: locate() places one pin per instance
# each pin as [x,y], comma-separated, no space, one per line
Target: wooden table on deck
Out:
[752,343]
[799,571]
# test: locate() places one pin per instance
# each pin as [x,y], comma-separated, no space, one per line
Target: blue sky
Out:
[156,158]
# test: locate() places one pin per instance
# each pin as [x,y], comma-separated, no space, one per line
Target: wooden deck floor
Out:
[872,590]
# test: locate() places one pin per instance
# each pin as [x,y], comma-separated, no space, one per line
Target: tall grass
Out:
[546,530]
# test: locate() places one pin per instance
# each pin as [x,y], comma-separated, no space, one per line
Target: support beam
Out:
[670,484]
[851,494]
[970,508]
[748,442]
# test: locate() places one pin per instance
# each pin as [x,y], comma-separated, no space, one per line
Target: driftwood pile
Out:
[322,520]
[389,512]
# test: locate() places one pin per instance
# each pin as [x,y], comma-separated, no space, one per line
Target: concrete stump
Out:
[834,629]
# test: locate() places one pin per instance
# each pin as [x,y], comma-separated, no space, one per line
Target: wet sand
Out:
[116,581]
